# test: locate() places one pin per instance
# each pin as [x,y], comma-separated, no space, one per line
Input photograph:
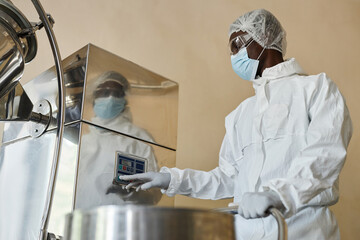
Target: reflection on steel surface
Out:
[153,107]
[19,23]
[12,62]
[96,166]
[151,98]
[15,105]
[15,50]
[148,223]
[24,175]
[146,127]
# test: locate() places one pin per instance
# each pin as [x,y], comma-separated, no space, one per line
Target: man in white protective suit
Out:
[283,148]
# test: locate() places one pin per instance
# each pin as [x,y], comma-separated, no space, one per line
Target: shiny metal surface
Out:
[19,23]
[14,50]
[282,226]
[151,98]
[44,86]
[148,223]
[12,60]
[97,158]
[66,178]
[25,167]
[24,173]
[40,118]
[15,105]
[22,157]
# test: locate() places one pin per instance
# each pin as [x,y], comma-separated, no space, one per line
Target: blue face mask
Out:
[109,107]
[244,66]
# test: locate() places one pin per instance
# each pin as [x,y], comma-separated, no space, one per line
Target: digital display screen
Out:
[140,166]
[126,163]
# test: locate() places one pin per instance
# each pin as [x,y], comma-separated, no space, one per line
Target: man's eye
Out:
[238,45]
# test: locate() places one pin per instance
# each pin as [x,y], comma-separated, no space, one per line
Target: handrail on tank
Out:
[282,226]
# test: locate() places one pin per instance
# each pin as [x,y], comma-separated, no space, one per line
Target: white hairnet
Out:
[263,27]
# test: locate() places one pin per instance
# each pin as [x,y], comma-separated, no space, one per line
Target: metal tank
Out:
[145,130]
[148,223]
[134,222]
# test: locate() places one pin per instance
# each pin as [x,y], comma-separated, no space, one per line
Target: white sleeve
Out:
[215,184]
[313,176]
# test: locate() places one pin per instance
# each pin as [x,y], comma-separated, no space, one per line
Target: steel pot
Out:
[148,223]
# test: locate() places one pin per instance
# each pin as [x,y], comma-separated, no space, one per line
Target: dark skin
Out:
[268,58]
[108,88]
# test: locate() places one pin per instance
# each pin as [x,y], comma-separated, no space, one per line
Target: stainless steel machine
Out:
[145,129]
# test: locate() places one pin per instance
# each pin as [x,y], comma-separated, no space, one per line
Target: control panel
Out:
[127,164]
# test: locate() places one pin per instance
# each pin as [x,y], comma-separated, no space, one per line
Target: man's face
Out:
[109,88]
[253,48]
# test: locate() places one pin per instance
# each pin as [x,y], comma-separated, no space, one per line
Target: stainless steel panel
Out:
[151,98]
[147,128]
[63,201]
[23,182]
[97,162]
[44,86]
[24,175]
[15,105]
[148,223]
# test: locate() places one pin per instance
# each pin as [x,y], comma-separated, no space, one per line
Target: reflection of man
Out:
[97,157]
[109,96]
[284,147]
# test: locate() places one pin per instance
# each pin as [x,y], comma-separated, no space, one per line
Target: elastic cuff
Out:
[286,211]
[173,185]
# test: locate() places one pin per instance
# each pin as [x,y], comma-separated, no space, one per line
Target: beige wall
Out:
[186,41]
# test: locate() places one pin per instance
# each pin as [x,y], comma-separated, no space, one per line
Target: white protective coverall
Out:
[97,162]
[291,138]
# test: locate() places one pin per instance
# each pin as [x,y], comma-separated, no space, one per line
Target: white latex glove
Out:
[255,205]
[147,180]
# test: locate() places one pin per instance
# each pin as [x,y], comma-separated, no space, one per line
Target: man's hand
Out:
[147,180]
[255,205]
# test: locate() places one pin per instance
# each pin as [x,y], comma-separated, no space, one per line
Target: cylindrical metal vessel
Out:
[148,223]
[15,49]
[11,58]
